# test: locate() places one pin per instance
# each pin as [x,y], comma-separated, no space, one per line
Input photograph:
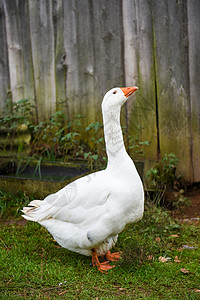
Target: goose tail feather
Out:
[30,211]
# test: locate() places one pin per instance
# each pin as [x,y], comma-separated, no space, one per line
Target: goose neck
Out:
[113,133]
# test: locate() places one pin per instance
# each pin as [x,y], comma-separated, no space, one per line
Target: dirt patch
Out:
[192,210]
[14,221]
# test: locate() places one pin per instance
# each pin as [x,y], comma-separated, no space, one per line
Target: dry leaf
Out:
[198,291]
[150,257]
[177,260]
[162,259]
[184,271]
[174,235]
[64,292]
[9,281]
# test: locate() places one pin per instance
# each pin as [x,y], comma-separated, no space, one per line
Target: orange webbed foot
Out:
[102,267]
[113,256]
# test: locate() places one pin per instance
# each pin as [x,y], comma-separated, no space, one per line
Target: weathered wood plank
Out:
[139,70]
[71,50]
[27,63]
[14,49]
[60,55]
[42,43]
[4,68]
[107,43]
[19,50]
[172,77]
[193,19]
[107,33]
[85,64]
[93,46]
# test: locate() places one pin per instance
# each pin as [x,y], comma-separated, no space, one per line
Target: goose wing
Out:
[77,202]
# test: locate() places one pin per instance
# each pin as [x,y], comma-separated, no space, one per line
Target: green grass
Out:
[33,266]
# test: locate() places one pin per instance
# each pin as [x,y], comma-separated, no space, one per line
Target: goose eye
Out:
[115,92]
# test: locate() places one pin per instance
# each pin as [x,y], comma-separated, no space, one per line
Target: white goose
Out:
[87,215]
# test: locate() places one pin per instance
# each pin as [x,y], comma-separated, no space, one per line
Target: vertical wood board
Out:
[93,46]
[60,55]
[106,22]
[13,33]
[138,45]
[4,68]
[27,63]
[172,77]
[193,19]
[42,42]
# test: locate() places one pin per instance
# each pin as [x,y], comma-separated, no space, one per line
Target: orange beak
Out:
[129,90]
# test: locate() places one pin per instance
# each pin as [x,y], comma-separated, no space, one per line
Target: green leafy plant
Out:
[60,137]
[162,177]
[134,145]
[17,117]
[164,173]
[97,155]
[178,200]
[45,136]
[57,138]
[16,114]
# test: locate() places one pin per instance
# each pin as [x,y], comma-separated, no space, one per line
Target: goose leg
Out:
[102,267]
[112,256]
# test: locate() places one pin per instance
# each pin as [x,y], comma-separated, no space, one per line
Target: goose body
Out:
[87,215]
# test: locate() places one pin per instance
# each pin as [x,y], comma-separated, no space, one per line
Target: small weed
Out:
[11,204]
[16,118]
[164,173]
[97,156]
[162,177]
[134,145]
[16,113]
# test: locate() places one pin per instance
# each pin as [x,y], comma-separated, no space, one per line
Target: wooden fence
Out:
[78,49]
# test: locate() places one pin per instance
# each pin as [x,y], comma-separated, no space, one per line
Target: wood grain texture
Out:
[14,46]
[27,63]
[172,76]
[193,21]
[42,44]
[93,45]
[139,70]
[60,54]
[4,67]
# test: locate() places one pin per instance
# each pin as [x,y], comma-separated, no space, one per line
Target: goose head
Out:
[116,97]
